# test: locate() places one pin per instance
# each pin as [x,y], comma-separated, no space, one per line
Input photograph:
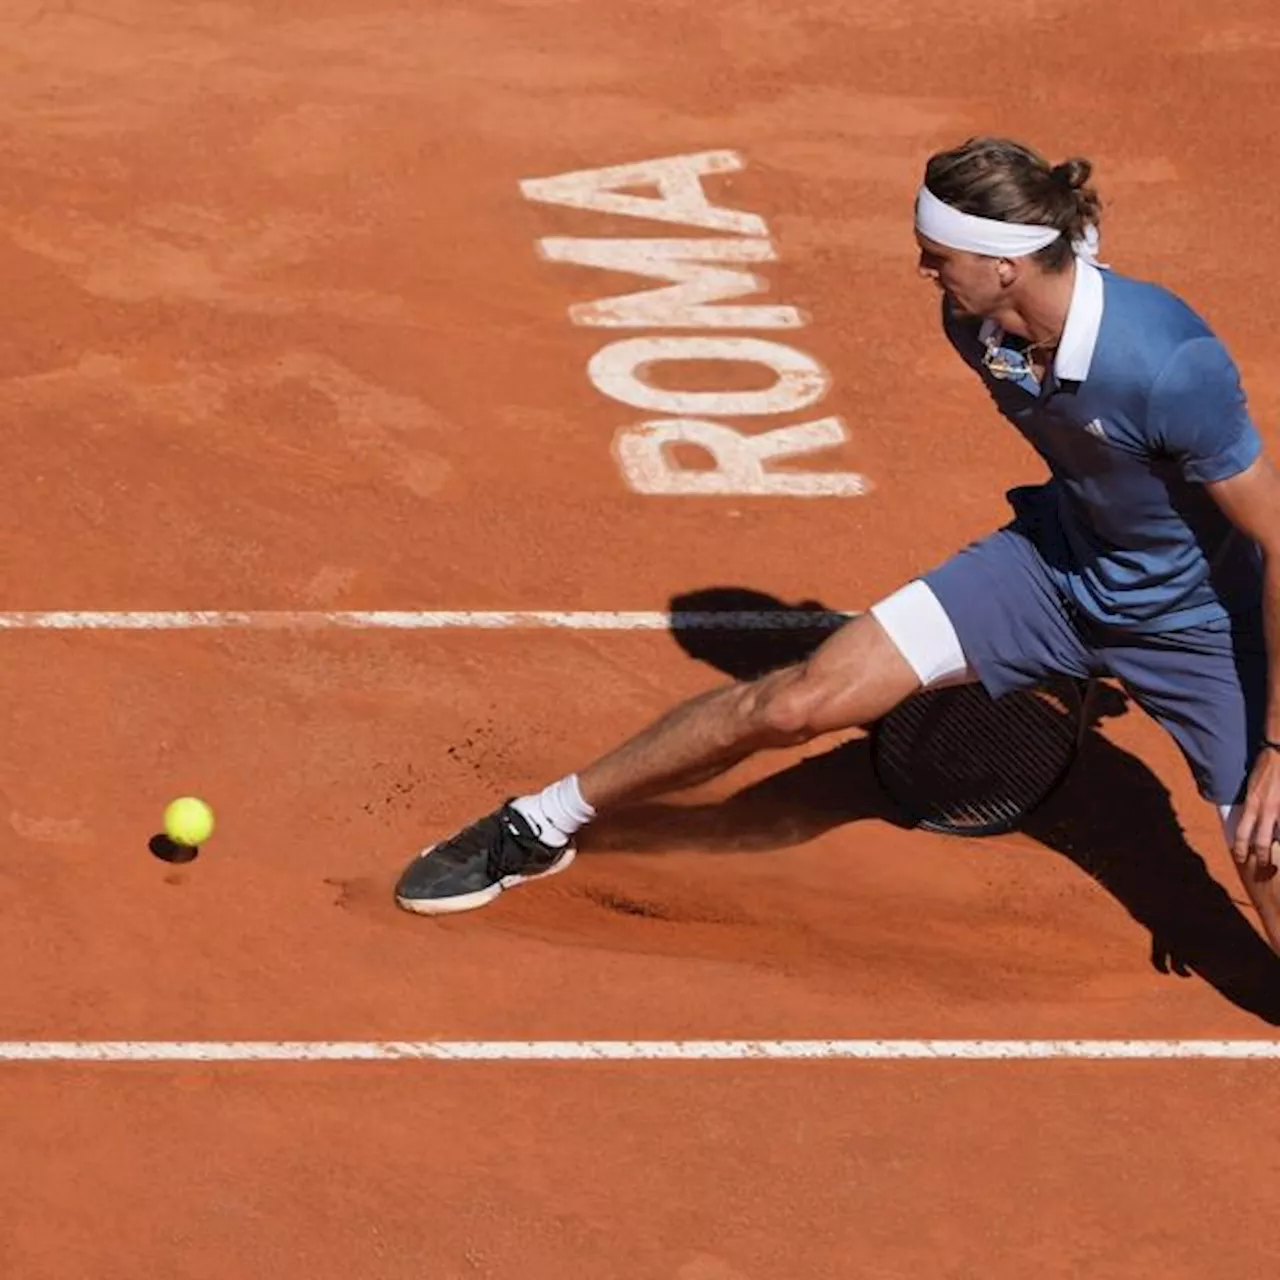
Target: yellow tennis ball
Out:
[188,821]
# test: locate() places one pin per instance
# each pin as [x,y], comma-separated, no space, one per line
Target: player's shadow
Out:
[1112,818]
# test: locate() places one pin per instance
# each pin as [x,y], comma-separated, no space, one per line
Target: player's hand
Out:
[1257,830]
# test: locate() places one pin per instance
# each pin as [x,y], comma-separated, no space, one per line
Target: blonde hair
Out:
[1008,182]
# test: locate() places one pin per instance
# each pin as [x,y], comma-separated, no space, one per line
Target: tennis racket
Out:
[958,761]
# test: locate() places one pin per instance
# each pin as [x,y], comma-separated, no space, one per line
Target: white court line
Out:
[416,620]
[217,1051]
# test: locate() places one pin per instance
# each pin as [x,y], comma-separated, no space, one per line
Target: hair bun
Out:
[1073,173]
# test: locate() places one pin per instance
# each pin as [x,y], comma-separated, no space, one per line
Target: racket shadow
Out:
[1112,818]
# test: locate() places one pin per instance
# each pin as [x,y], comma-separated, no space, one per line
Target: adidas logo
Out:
[1095,428]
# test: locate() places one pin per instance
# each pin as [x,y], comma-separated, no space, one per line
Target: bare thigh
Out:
[854,677]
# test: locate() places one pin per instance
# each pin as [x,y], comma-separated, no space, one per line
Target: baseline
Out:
[215,1051]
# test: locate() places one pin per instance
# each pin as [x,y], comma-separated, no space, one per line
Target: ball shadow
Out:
[168,851]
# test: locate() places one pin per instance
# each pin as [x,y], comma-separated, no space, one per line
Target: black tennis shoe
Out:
[475,865]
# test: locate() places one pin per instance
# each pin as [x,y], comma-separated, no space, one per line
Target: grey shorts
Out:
[1206,686]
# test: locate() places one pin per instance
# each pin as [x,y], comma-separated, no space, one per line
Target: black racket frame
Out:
[1080,693]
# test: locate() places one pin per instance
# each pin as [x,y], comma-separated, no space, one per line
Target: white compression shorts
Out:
[919,627]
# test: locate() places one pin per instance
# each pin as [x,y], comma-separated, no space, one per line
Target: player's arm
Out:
[1200,416]
[1251,501]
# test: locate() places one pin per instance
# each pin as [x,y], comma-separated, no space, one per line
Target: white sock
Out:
[556,812]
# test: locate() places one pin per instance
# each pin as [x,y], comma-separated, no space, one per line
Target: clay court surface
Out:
[279,337]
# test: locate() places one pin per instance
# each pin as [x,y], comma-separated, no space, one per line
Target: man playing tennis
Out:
[1152,554]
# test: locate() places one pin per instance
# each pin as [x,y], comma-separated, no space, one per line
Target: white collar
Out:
[1079,333]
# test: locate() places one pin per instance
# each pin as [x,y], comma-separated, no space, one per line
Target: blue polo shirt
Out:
[1142,407]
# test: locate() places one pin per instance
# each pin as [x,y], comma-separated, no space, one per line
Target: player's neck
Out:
[1038,310]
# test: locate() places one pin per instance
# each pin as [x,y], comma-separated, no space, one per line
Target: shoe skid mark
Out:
[649,906]
[628,906]
[632,914]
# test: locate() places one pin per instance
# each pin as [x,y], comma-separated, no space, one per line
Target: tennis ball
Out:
[188,821]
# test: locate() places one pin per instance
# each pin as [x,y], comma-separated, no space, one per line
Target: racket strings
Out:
[957,760]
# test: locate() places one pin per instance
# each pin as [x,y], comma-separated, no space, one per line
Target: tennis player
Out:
[1151,554]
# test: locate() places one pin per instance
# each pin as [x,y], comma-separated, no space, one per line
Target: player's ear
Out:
[1006,271]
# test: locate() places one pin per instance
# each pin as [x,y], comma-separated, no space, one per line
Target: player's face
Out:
[971,282]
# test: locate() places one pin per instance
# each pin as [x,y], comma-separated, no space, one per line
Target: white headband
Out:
[938,221]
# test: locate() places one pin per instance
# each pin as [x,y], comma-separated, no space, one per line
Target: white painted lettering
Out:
[703,281]
[643,453]
[800,379]
[678,180]
[684,304]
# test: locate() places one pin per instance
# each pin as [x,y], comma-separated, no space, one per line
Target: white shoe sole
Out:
[470,901]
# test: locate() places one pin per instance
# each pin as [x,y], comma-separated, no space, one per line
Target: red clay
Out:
[278,337]
[671,1173]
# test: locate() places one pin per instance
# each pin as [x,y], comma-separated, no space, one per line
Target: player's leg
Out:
[853,678]
[990,612]
[1208,689]
[860,672]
